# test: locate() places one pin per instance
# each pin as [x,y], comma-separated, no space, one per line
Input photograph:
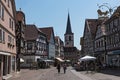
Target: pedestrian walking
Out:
[64,67]
[58,67]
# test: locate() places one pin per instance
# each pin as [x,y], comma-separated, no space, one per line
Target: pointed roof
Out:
[68,28]
[20,16]
[31,32]
[48,31]
[92,24]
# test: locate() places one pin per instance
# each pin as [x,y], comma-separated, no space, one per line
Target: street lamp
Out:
[110,9]
[105,54]
[18,41]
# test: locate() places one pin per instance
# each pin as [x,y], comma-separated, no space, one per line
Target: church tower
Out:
[69,36]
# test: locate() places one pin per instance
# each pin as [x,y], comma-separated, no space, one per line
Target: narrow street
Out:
[52,74]
[44,74]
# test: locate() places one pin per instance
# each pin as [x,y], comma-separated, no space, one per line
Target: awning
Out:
[4,53]
[67,60]
[87,58]
[47,60]
[21,60]
[59,59]
[116,52]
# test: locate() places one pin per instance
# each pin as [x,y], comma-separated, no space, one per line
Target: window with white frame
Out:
[1,12]
[10,22]
[12,25]
[9,39]
[2,36]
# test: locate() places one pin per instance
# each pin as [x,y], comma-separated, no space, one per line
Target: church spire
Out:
[68,28]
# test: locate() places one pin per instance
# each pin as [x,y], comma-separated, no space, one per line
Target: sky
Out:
[54,13]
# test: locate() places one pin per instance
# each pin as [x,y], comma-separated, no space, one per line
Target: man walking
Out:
[58,67]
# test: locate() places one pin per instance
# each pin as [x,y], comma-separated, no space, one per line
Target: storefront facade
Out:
[7,65]
[114,58]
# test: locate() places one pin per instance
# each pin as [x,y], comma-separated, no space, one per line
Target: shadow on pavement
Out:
[115,72]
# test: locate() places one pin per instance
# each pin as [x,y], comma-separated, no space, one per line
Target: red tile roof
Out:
[20,16]
[31,32]
[48,31]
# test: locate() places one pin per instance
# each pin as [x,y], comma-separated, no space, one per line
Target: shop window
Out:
[13,63]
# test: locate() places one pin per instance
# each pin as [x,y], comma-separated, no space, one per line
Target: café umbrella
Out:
[87,58]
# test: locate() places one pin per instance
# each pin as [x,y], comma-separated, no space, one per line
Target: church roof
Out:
[68,28]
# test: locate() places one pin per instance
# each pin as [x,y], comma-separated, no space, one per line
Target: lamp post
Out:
[18,41]
[110,9]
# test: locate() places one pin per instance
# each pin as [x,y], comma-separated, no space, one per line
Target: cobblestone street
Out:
[51,74]
[44,74]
